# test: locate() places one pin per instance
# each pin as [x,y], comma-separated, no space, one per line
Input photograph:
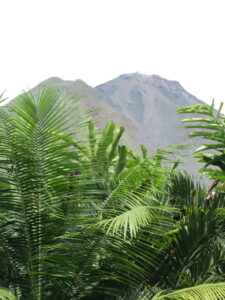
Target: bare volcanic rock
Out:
[151,103]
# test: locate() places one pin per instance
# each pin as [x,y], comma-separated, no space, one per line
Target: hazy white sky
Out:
[97,40]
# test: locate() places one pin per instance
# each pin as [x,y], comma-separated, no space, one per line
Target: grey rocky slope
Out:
[151,103]
[144,105]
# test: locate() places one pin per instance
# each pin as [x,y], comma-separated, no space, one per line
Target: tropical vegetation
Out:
[83,217]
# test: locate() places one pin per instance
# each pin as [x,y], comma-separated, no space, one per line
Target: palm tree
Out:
[36,167]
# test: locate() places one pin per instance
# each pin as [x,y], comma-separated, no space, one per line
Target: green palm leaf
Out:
[134,204]
[6,295]
[215,291]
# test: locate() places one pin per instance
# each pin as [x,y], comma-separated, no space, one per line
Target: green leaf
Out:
[121,163]
[213,291]
[6,295]
[105,140]
[112,151]
[144,151]
[196,109]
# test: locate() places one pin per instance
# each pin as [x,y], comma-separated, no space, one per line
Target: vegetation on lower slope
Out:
[90,219]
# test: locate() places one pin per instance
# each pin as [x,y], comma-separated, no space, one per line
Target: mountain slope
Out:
[151,103]
[144,105]
[99,110]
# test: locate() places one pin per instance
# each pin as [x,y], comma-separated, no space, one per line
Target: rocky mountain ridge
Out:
[144,104]
[151,103]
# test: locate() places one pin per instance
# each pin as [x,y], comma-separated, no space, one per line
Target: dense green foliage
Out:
[86,218]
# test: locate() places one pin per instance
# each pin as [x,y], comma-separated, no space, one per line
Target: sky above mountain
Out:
[101,39]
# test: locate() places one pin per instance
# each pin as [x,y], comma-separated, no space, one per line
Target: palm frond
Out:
[215,291]
[135,202]
[6,295]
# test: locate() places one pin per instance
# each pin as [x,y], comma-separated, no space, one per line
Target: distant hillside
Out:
[144,105]
[90,98]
